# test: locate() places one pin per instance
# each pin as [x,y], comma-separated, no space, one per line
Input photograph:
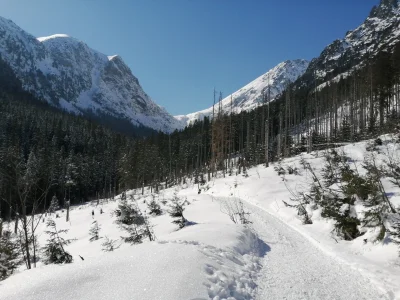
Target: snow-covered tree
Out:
[154,207]
[54,251]
[94,231]
[54,204]
[130,219]
[176,211]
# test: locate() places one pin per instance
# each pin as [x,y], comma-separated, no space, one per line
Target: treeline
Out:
[44,152]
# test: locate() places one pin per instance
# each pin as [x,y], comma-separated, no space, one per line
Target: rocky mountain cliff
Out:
[68,74]
[379,32]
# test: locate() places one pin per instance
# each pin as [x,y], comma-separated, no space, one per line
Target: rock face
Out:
[248,97]
[379,32]
[68,74]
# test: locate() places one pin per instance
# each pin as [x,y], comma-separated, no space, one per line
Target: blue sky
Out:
[181,49]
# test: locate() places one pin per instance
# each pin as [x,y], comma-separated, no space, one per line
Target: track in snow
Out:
[295,269]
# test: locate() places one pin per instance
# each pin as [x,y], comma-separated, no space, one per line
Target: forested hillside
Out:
[80,159]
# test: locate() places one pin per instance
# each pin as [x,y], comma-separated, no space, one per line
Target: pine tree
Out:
[9,255]
[54,251]
[378,203]
[154,207]
[94,231]
[176,211]
[130,219]
[54,205]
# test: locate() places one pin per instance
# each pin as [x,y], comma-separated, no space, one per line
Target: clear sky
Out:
[181,49]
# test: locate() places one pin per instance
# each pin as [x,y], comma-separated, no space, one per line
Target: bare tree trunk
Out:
[33,240]
[26,236]
[266,145]
[16,223]
[67,217]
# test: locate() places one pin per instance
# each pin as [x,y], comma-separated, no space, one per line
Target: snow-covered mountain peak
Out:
[69,74]
[386,9]
[53,37]
[112,57]
[379,32]
[251,95]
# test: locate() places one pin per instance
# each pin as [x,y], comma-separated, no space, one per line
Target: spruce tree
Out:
[54,205]
[154,207]
[130,219]
[94,231]
[10,257]
[54,251]
[176,211]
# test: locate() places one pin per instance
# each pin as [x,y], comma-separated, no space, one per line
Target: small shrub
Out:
[154,208]
[109,245]
[292,170]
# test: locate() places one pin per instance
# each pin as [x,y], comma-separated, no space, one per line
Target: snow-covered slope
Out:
[250,96]
[70,75]
[212,259]
[380,31]
[275,257]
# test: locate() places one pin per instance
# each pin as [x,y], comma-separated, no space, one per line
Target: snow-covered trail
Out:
[294,268]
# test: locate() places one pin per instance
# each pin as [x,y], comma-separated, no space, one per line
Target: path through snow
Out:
[295,269]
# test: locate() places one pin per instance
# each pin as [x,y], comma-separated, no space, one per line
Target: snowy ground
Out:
[276,258]
[212,258]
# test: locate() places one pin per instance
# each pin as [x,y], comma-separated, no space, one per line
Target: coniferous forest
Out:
[77,160]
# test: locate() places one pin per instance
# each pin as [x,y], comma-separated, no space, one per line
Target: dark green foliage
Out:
[154,208]
[292,170]
[378,142]
[331,168]
[54,205]
[378,203]
[301,202]
[131,219]
[128,213]
[343,186]
[279,168]
[10,256]
[347,227]
[337,195]
[176,211]
[77,157]
[53,251]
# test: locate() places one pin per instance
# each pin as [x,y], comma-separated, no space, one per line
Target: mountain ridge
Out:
[250,95]
[70,75]
[380,31]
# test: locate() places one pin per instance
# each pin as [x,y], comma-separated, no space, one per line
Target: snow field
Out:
[211,259]
[276,257]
